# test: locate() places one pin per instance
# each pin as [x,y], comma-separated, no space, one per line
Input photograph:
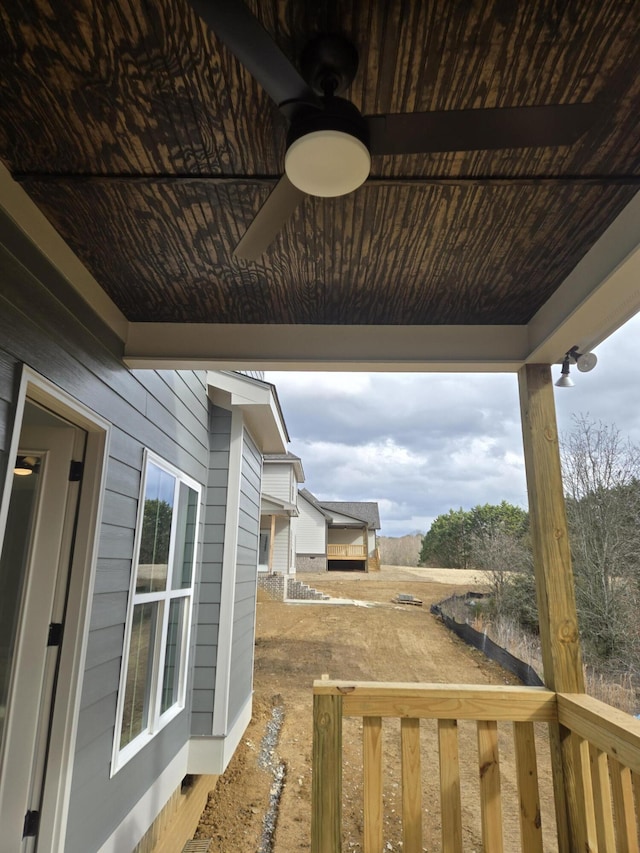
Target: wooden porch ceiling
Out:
[150,148]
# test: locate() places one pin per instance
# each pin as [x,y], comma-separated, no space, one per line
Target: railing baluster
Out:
[584,793]
[528,791]
[635,779]
[490,801]
[372,743]
[326,792]
[450,786]
[623,807]
[411,786]
[602,799]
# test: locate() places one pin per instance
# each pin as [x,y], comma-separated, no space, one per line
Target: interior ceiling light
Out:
[26,465]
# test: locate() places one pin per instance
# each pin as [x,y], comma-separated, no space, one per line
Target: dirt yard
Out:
[371,640]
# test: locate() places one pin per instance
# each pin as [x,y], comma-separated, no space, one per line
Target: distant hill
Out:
[400,550]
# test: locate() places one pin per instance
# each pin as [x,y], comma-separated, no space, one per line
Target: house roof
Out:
[363,511]
[270,505]
[306,494]
[466,259]
[287,459]
[258,401]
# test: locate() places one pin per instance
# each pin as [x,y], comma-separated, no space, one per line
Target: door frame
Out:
[64,721]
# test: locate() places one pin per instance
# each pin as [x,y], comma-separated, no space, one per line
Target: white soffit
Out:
[258,404]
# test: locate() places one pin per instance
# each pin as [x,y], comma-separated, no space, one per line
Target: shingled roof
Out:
[313,500]
[289,458]
[364,511]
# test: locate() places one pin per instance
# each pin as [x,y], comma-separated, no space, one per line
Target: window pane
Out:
[156,530]
[173,654]
[185,538]
[135,718]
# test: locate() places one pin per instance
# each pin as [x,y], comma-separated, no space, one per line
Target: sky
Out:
[421,444]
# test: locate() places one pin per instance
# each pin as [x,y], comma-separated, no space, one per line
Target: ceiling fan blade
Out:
[475,130]
[248,40]
[273,214]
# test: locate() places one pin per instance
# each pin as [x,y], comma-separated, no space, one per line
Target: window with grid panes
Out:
[153,681]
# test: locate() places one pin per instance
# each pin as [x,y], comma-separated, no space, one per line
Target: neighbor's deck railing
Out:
[346,551]
[606,743]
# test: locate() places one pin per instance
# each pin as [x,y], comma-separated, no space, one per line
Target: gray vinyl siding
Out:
[243,635]
[164,411]
[204,678]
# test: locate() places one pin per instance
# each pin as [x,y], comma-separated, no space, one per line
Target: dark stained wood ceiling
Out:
[150,148]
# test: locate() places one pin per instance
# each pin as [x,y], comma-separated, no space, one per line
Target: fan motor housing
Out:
[338,114]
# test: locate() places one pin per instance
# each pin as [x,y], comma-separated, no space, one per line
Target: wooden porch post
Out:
[271,541]
[365,542]
[555,592]
[326,782]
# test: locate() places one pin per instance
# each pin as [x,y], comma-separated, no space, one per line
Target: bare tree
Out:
[400,550]
[601,473]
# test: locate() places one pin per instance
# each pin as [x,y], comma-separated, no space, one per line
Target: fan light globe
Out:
[327,163]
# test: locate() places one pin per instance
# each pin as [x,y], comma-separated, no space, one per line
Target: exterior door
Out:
[263,551]
[34,569]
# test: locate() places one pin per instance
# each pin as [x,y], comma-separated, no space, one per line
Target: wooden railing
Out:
[606,743]
[347,551]
[374,561]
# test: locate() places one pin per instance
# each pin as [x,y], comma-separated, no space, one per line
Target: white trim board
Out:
[228,585]
[219,346]
[211,755]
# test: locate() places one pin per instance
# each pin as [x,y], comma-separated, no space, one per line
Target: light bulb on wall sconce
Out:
[584,361]
[565,380]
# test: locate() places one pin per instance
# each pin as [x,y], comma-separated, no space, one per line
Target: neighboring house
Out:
[128,570]
[282,473]
[336,534]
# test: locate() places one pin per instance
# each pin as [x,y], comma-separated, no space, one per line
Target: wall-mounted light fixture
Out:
[565,380]
[584,361]
[26,465]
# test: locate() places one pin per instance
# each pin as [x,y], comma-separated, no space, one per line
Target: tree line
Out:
[601,476]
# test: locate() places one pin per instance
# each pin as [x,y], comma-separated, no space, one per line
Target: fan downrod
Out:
[329,63]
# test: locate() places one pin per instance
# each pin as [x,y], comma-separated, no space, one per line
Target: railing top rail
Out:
[610,730]
[442,701]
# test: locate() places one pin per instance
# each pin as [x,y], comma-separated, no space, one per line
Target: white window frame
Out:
[156,719]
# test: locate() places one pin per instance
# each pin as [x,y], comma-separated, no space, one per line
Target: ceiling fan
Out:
[330,143]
